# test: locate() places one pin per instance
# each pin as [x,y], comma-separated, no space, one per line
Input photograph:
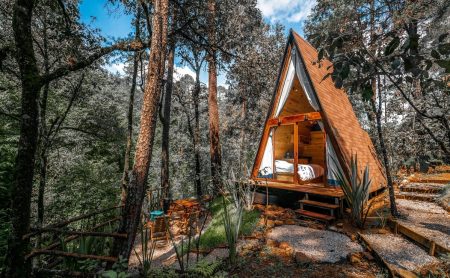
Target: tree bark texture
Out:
[127,156]
[15,263]
[386,163]
[137,185]
[242,160]
[196,99]
[166,107]
[213,107]
[43,142]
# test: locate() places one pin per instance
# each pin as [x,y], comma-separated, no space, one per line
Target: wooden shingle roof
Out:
[338,113]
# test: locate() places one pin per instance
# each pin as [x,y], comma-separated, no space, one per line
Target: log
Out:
[433,247]
[76,255]
[377,256]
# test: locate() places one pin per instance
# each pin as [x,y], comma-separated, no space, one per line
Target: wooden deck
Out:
[312,188]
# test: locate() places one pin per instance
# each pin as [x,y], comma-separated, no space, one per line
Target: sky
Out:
[113,23]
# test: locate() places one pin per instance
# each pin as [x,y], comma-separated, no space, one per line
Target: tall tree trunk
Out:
[127,157]
[376,89]
[43,142]
[213,107]
[16,265]
[386,163]
[165,185]
[242,161]
[131,212]
[196,99]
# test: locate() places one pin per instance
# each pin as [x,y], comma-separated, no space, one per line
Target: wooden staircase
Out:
[326,209]
[427,192]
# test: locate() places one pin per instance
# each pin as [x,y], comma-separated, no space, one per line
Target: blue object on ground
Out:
[155,213]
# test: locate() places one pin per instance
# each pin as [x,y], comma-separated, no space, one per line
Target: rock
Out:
[368,256]
[217,254]
[258,235]
[333,228]
[302,259]
[261,221]
[382,231]
[354,258]
[272,243]
[289,222]
[284,245]
[270,223]
[278,223]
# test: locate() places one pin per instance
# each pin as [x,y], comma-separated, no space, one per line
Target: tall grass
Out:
[148,247]
[233,209]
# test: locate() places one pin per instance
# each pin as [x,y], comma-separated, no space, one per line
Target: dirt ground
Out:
[271,262]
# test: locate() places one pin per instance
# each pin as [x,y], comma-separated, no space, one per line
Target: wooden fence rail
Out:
[75,255]
[59,228]
[67,222]
[81,233]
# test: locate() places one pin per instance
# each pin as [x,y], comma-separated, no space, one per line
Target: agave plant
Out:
[356,191]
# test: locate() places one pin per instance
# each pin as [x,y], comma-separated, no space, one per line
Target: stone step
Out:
[427,197]
[319,204]
[315,215]
[422,187]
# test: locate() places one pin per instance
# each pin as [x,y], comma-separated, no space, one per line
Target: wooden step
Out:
[315,215]
[319,204]
[417,196]
[422,187]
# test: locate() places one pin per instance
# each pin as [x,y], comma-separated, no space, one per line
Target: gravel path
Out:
[399,252]
[410,206]
[319,245]
[427,219]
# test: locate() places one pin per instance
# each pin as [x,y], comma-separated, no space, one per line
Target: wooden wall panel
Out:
[284,141]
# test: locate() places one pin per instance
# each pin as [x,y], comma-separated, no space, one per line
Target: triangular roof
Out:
[339,119]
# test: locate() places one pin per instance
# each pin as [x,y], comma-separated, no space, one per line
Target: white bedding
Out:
[305,171]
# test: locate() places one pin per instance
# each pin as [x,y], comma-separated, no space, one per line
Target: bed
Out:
[305,172]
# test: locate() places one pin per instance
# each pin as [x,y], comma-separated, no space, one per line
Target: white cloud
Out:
[286,10]
[116,68]
[182,71]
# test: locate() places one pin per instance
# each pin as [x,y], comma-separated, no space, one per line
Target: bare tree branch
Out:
[66,69]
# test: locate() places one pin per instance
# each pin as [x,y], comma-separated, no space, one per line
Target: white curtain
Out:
[332,164]
[332,160]
[304,81]
[287,86]
[265,169]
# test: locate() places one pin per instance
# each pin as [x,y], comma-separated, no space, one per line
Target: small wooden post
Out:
[296,180]
[432,248]
[395,228]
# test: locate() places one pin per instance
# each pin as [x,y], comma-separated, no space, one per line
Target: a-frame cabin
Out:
[311,130]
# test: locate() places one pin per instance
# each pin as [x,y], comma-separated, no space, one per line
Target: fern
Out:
[204,269]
